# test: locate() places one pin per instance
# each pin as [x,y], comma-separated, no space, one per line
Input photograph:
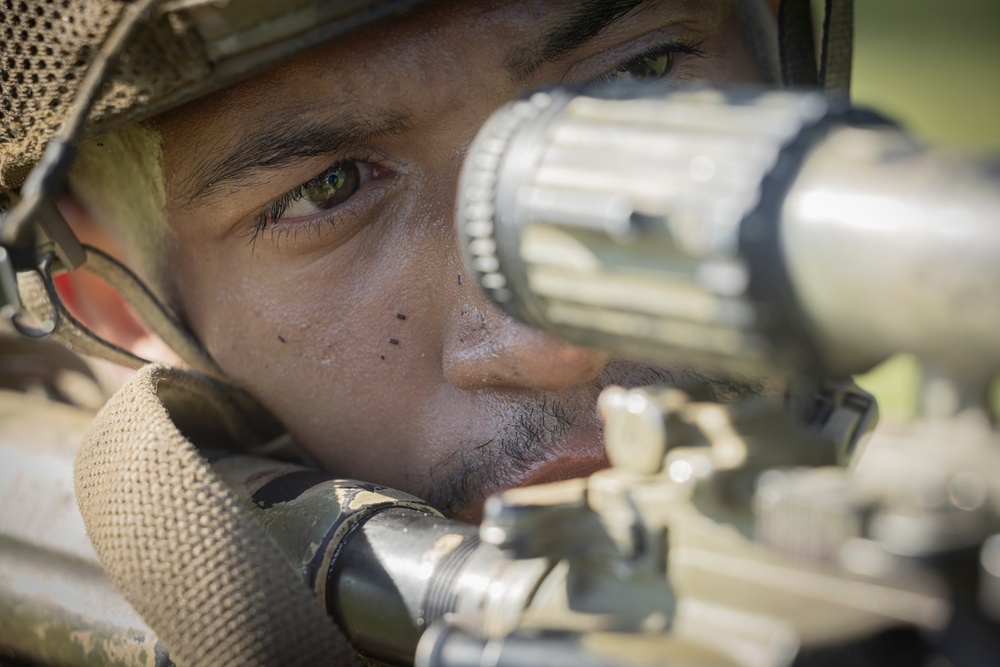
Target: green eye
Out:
[650,67]
[659,63]
[334,186]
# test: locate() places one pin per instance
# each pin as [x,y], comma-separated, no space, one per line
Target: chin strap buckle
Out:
[12,307]
[10,299]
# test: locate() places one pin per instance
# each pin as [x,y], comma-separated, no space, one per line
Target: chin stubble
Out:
[535,427]
[470,471]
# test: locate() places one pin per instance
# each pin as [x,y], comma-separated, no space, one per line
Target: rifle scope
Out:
[739,230]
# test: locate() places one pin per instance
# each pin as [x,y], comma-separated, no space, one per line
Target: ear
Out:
[95,303]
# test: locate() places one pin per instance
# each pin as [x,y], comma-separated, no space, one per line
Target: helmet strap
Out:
[797,46]
[42,301]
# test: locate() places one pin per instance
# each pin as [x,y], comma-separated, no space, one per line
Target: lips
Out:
[569,467]
[579,455]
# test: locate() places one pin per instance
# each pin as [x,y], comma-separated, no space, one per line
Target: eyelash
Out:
[274,213]
[673,47]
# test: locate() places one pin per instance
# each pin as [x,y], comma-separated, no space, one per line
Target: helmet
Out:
[170,52]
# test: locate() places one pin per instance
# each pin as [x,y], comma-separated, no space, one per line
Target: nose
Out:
[487,348]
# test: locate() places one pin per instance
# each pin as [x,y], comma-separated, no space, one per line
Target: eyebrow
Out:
[283,143]
[587,20]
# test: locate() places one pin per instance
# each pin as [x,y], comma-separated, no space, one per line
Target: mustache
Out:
[475,469]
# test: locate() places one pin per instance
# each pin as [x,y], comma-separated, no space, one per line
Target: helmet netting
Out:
[45,49]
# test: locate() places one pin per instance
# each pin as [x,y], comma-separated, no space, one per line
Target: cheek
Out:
[321,342]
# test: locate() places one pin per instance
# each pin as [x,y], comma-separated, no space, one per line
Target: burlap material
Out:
[176,542]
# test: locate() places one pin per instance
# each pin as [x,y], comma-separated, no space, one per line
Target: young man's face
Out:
[313,251]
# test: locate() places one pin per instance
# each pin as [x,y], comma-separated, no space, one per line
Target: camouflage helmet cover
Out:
[182,50]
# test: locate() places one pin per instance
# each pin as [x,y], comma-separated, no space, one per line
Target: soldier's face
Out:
[313,250]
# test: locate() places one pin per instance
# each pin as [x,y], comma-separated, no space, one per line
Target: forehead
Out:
[440,46]
[438,70]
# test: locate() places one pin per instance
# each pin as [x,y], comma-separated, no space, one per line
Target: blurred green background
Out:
[934,66]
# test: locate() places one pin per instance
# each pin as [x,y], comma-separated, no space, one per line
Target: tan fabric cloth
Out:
[175,540]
